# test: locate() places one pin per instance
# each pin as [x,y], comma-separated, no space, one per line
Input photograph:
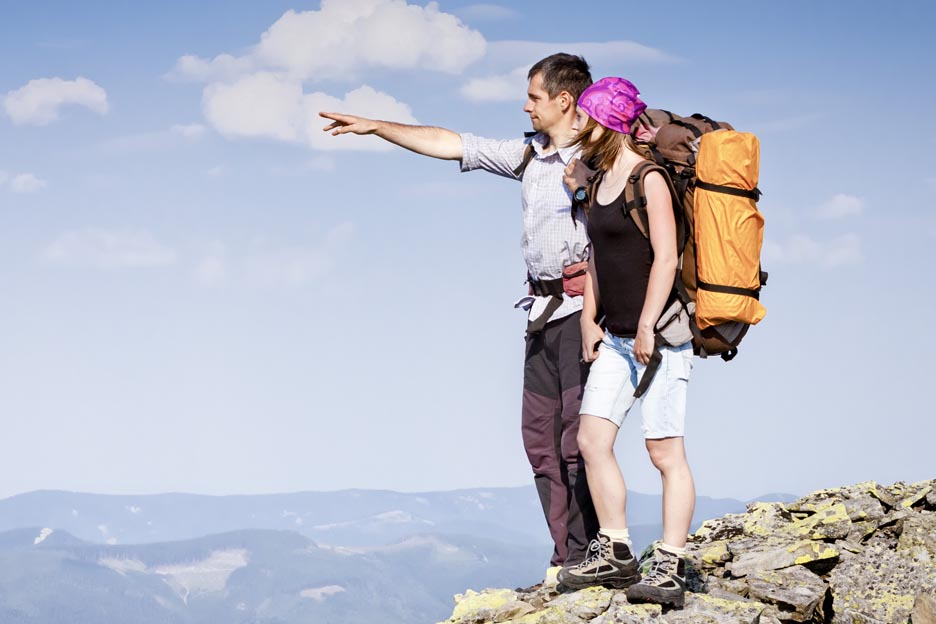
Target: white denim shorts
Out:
[609,391]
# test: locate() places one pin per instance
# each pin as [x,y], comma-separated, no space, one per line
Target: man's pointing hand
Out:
[343,124]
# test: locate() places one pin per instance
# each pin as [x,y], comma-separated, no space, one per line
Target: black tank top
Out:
[623,258]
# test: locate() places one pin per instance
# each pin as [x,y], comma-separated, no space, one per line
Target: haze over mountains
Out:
[347,556]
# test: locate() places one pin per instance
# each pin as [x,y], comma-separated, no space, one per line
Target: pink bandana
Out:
[613,103]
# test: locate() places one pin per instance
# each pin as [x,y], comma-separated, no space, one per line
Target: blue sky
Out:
[204,293]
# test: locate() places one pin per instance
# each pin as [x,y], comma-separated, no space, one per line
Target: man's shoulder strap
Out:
[528,154]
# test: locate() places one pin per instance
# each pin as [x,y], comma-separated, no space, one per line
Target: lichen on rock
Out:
[862,554]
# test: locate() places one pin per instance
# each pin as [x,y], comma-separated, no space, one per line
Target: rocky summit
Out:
[863,554]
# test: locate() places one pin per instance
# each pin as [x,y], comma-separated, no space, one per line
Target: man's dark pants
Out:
[553,379]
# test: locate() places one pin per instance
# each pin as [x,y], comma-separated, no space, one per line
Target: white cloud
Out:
[500,88]
[221,67]
[521,55]
[108,249]
[840,206]
[297,265]
[26,183]
[514,53]
[801,249]
[260,105]
[39,101]
[345,36]
[271,106]
[486,12]
[217,171]
[189,131]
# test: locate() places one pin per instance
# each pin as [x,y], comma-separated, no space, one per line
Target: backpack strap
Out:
[715,125]
[528,155]
[635,206]
[635,202]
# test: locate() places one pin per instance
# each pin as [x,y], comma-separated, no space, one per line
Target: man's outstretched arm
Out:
[425,140]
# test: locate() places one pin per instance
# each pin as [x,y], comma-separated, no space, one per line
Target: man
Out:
[552,240]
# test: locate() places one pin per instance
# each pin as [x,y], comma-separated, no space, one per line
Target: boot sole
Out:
[615,583]
[677,602]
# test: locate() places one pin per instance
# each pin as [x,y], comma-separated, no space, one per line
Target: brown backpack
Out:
[672,143]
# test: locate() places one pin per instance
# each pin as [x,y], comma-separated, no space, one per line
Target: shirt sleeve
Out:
[495,156]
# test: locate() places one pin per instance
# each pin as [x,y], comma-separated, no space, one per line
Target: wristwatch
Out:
[580,194]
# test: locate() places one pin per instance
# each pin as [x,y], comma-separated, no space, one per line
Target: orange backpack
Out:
[713,173]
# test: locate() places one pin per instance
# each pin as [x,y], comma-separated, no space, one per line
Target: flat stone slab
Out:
[795,591]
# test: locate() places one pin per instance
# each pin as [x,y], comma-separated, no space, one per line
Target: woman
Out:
[631,277]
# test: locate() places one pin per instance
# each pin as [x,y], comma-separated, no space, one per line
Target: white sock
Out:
[680,552]
[618,535]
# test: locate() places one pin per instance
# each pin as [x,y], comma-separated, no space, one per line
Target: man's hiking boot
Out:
[665,584]
[609,562]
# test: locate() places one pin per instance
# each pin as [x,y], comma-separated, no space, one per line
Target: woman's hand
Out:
[592,335]
[644,345]
[576,174]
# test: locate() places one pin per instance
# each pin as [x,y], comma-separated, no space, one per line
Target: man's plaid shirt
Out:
[551,240]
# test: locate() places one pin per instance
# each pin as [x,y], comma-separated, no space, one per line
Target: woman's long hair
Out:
[602,153]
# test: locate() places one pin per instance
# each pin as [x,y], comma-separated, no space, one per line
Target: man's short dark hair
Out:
[563,72]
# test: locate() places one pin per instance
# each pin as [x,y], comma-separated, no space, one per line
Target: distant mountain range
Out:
[346,518]
[343,557]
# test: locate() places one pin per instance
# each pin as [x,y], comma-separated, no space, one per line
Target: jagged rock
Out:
[763,519]
[778,555]
[796,591]
[914,494]
[710,555]
[861,530]
[511,610]
[550,615]
[924,609]
[884,495]
[726,588]
[879,585]
[830,522]
[584,604]
[725,528]
[862,554]
[475,608]
[918,538]
[622,612]
[705,609]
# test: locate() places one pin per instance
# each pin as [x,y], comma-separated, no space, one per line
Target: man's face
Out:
[544,111]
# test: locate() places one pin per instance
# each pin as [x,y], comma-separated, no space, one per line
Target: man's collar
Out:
[540,141]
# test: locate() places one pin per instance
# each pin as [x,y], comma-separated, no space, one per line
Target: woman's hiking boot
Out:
[609,563]
[665,584]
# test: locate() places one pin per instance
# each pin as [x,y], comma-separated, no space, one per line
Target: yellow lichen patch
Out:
[591,600]
[823,523]
[762,519]
[707,604]
[919,492]
[472,602]
[715,553]
[550,615]
[813,551]
[644,610]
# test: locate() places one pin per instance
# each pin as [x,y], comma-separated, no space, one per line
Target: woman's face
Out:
[581,120]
